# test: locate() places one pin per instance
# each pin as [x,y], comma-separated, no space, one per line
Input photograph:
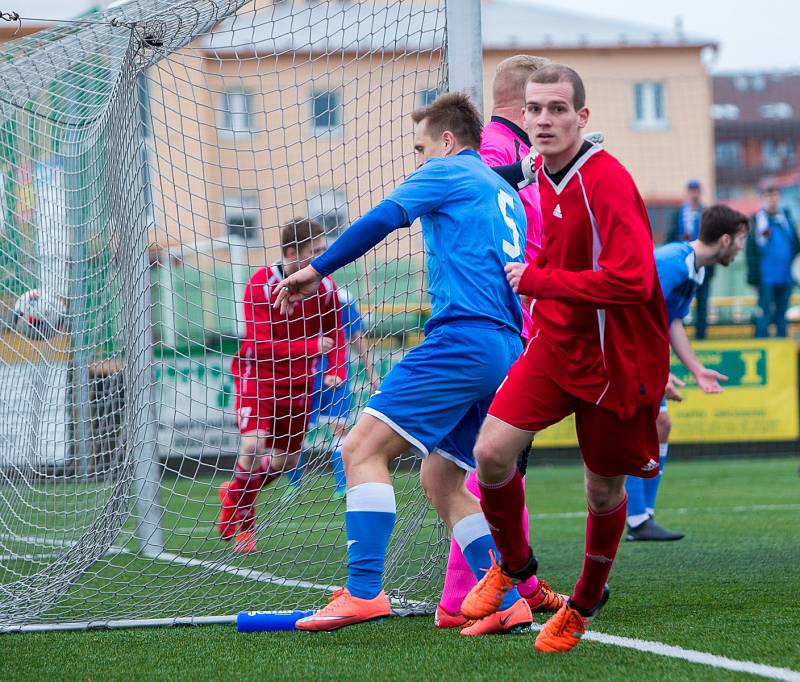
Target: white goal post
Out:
[149,154]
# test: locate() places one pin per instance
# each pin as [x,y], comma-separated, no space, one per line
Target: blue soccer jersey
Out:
[473,223]
[679,277]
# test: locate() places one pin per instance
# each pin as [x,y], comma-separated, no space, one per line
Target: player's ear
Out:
[449,141]
[583,117]
[290,253]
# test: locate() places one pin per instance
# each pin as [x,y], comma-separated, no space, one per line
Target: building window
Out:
[649,109]
[728,154]
[242,216]
[777,155]
[329,209]
[779,110]
[428,96]
[724,112]
[326,110]
[237,111]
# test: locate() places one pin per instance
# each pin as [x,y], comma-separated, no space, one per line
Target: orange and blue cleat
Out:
[344,609]
[515,618]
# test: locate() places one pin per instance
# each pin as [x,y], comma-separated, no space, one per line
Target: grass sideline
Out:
[727,589]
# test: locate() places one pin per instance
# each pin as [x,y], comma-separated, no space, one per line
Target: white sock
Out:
[637,520]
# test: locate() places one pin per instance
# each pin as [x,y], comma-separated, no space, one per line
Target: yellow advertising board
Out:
[759,403]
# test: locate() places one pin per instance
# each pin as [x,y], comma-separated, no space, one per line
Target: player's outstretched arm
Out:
[359,238]
[707,379]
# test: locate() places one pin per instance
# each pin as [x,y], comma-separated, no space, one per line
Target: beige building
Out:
[253,125]
[302,108]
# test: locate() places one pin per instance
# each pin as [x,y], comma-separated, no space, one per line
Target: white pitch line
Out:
[700,657]
[248,573]
[683,510]
[28,557]
[645,646]
[203,530]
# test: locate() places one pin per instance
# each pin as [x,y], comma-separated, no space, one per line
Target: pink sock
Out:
[458,580]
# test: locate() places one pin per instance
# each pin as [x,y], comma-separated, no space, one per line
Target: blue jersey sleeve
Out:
[361,236]
[673,275]
[424,190]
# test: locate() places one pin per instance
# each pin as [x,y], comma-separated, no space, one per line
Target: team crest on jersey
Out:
[557,211]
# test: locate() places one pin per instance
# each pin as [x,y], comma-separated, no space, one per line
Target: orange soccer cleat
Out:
[228,513]
[485,598]
[545,600]
[564,630]
[344,609]
[515,618]
[245,542]
[444,620]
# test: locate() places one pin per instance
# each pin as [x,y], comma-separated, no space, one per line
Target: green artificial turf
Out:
[729,588]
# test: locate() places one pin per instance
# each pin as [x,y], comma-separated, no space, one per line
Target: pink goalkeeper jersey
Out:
[502,143]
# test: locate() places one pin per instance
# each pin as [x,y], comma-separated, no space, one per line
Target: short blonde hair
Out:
[511,75]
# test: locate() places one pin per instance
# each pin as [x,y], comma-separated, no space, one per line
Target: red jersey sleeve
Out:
[332,327]
[625,272]
[259,318]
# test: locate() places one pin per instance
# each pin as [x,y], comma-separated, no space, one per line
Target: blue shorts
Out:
[663,406]
[438,395]
[330,404]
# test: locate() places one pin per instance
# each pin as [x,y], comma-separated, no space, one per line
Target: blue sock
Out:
[475,539]
[651,484]
[295,475]
[369,521]
[338,468]
[637,509]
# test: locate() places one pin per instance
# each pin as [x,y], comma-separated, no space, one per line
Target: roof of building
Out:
[507,24]
[757,97]
[521,24]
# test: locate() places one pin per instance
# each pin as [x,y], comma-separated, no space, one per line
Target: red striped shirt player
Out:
[274,377]
[598,349]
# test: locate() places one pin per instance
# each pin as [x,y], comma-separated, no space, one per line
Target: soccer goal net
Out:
[149,155]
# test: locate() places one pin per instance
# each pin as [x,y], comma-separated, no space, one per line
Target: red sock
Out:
[502,505]
[246,486]
[603,533]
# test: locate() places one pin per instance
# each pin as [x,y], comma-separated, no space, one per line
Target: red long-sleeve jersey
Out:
[284,349]
[598,302]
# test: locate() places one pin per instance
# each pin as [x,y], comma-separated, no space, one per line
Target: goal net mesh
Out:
[148,156]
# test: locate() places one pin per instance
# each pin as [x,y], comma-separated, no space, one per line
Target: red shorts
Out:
[531,400]
[283,421]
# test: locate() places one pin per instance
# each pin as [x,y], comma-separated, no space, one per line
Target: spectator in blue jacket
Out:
[771,246]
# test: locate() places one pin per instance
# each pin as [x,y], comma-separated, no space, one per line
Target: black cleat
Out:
[650,531]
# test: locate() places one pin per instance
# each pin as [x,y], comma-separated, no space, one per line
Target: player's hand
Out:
[671,391]
[514,274]
[708,380]
[332,381]
[295,288]
[325,345]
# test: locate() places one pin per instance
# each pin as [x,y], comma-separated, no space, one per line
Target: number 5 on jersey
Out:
[512,248]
